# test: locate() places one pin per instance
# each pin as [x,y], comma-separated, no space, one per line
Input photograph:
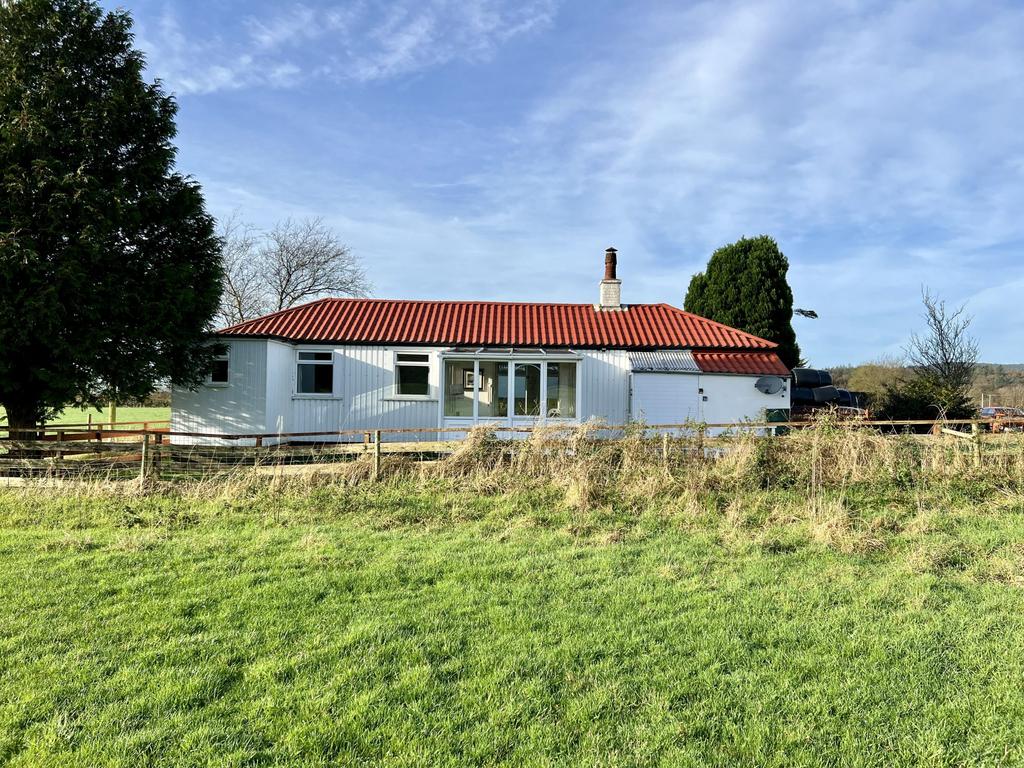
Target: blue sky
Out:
[491,150]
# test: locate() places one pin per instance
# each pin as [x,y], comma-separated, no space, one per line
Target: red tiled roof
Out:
[476,323]
[755,363]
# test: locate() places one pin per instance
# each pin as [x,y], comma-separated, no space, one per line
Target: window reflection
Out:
[493,389]
[561,391]
[458,388]
[527,396]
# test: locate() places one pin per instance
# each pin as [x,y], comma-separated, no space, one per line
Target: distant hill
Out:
[1006,366]
[997,383]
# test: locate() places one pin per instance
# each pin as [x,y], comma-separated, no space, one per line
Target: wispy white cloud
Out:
[362,41]
[878,142]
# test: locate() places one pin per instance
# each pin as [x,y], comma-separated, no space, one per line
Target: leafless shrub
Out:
[944,358]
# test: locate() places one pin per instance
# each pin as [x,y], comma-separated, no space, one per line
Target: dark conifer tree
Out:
[109,266]
[745,286]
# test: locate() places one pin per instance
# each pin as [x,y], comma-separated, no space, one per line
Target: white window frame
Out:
[226,357]
[512,360]
[428,364]
[576,386]
[295,373]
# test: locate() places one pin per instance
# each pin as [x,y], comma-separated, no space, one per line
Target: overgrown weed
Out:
[854,491]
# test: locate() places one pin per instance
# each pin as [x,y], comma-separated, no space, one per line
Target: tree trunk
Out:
[23,420]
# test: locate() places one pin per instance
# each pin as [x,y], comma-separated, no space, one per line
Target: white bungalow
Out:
[368,364]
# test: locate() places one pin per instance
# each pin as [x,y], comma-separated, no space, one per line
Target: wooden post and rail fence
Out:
[149,448]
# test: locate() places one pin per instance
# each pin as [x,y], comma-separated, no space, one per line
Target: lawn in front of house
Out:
[74,415]
[401,627]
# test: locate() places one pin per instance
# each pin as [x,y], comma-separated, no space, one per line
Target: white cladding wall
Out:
[280,360]
[604,377]
[261,396]
[239,408]
[364,399]
[733,398]
[666,398]
[674,398]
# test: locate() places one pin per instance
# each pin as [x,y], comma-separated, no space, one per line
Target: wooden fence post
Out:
[976,439]
[144,465]
[158,440]
[376,455]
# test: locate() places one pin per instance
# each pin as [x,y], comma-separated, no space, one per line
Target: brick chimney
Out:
[611,286]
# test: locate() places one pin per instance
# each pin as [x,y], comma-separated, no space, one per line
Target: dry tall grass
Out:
[839,486]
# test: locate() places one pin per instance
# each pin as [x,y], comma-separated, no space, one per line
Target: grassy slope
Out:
[124,413]
[391,635]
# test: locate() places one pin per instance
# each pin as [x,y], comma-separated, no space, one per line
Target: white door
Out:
[666,398]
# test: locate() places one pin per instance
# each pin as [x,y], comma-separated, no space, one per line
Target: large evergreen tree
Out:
[109,266]
[745,286]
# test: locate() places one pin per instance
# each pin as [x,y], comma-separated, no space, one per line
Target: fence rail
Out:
[138,450]
[126,428]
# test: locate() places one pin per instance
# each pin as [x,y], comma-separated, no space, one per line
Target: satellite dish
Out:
[769,385]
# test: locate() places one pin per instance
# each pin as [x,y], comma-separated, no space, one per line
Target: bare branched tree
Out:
[296,261]
[946,355]
[304,260]
[947,352]
[244,294]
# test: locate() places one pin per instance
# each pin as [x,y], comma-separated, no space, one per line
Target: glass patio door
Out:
[492,390]
[510,391]
[527,390]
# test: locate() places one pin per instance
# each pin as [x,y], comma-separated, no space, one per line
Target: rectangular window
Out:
[527,389]
[458,388]
[218,370]
[412,374]
[561,391]
[315,373]
[536,389]
[492,390]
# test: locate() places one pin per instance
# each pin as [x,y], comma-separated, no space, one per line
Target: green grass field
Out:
[405,626]
[124,413]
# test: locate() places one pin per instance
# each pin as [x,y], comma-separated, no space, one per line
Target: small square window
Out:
[412,380]
[217,374]
[314,373]
[219,371]
[412,374]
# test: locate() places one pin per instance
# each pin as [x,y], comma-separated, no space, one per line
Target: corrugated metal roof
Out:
[752,363]
[474,323]
[663,361]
